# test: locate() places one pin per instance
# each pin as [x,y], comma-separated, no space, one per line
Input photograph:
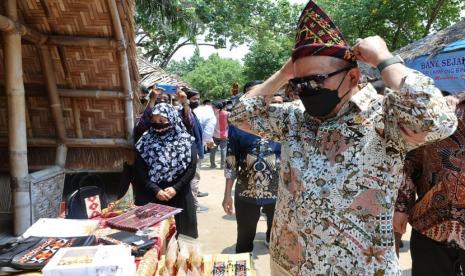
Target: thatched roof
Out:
[429,45]
[86,47]
[151,74]
[433,43]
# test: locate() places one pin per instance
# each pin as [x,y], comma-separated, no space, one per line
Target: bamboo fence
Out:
[67,80]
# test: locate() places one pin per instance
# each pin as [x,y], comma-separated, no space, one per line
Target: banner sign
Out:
[446,69]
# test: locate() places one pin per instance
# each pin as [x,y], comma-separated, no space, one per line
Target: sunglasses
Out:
[313,81]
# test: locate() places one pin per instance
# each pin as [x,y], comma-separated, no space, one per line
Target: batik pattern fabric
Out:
[318,35]
[167,156]
[436,173]
[339,178]
[254,163]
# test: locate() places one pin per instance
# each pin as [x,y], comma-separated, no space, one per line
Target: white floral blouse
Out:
[339,178]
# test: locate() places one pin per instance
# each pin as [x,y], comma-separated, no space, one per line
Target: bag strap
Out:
[94,179]
[75,180]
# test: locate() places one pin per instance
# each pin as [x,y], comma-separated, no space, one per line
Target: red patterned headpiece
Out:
[317,35]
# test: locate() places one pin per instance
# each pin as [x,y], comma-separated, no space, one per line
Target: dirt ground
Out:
[217,230]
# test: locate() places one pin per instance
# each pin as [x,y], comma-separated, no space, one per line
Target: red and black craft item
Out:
[317,35]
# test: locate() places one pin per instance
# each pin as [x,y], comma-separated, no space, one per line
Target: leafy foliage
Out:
[399,22]
[268,26]
[214,77]
[266,56]
[184,66]
[164,28]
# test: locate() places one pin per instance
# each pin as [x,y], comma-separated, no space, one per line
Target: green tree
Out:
[274,41]
[266,56]
[208,22]
[184,66]
[214,77]
[399,22]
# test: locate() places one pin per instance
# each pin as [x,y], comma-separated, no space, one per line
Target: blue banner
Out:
[446,69]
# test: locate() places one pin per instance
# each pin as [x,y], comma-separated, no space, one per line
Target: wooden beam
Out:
[34,142]
[29,34]
[10,23]
[45,7]
[6,24]
[97,94]
[82,41]
[54,98]
[40,91]
[124,68]
[77,119]
[98,143]
[77,143]
[28,123]
[16,102]
[65,66]
[60,156]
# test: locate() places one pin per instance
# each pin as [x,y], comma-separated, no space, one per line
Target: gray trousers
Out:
[222,145]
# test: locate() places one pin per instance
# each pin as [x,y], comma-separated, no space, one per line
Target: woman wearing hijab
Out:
[166,158]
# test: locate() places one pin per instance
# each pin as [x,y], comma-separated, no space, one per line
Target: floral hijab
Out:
[167,155]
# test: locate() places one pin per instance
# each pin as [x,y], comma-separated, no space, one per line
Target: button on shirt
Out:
[339,178]
[254,162]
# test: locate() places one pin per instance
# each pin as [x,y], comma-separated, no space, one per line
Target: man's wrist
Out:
[382,57]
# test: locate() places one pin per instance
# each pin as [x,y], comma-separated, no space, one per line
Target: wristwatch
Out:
[388,62]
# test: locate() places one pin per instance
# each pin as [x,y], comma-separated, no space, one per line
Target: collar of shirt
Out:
[364,97]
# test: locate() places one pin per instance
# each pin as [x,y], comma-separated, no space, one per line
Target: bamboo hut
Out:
[433,44]
[427,47]
[67,78]
[151,74]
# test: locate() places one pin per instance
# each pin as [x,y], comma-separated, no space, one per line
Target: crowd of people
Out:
[324,160]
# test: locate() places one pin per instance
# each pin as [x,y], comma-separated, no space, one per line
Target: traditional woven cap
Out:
[317,35]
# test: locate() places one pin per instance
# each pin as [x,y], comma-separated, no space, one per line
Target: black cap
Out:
[218,104]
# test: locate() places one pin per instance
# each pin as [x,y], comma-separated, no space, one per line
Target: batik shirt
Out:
[339,178]
[254,163]
[437,174]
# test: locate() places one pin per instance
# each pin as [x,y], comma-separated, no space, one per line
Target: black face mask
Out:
[319,102]
[193,105]
[161,128]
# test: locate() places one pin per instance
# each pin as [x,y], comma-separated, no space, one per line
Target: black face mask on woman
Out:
[317,100]
[161,129]
[194,105]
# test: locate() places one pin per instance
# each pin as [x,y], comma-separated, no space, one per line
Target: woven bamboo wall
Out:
[78,68]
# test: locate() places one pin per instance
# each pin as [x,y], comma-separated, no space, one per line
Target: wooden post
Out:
[55,104]
[60,158]
[77,119]
[124,68]
[20,185]
[6,25]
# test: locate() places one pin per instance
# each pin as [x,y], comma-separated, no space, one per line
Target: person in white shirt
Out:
[207,120]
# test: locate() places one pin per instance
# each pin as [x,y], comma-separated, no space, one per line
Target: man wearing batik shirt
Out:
[341,158]
[254,163]
[436,173]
